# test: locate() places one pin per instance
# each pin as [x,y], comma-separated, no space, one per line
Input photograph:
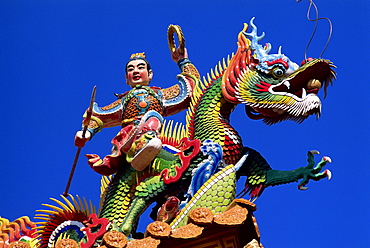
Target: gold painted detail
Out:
[172,29]
[171,92]
[191,69]
[93,124]
[140,55]
[112,105]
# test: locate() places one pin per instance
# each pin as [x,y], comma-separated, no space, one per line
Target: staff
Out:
[85,124]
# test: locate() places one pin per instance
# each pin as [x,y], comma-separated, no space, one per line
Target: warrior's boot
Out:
[147,146]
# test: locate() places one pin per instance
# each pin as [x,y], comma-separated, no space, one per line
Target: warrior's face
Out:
[138,73]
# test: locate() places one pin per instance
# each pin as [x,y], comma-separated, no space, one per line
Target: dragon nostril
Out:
[306,60]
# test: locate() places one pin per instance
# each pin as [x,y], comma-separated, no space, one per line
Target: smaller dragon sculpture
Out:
[21,231]
[199,165]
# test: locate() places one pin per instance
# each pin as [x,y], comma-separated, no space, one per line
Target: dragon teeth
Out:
[304,93]
[287,84]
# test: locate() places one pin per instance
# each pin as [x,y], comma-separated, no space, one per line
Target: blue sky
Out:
[52,53]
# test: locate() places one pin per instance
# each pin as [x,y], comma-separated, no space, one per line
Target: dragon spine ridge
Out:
[268,85]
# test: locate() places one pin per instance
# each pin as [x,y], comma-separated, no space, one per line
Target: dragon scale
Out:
[119,196]
[198,165]
[251,76]
[211,121]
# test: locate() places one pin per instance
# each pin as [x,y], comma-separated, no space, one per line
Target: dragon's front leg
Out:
[311,171]
[260,175]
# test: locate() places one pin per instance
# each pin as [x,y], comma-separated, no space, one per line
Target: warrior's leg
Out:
[110,163]
[147,146]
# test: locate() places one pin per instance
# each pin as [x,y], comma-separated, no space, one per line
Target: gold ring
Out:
[171,38]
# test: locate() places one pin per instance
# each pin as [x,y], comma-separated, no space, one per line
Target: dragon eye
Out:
[278,72]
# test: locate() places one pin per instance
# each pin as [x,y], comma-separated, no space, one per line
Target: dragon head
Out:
[272,86]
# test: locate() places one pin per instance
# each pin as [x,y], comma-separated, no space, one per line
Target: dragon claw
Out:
[313,172]
[328,174]
[327,159]
[314,152]
[321,164]
[302,187]
[310,158]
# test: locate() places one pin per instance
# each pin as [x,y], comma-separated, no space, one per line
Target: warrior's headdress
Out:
[136,56]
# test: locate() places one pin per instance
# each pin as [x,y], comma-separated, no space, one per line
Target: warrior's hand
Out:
[177,56]
[81,139]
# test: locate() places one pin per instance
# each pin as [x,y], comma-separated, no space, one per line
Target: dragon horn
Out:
[259,50]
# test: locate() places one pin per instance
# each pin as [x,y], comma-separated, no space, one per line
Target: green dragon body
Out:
[209,156]
[246,79]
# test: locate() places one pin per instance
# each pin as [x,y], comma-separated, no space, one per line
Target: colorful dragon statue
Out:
[201,163]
